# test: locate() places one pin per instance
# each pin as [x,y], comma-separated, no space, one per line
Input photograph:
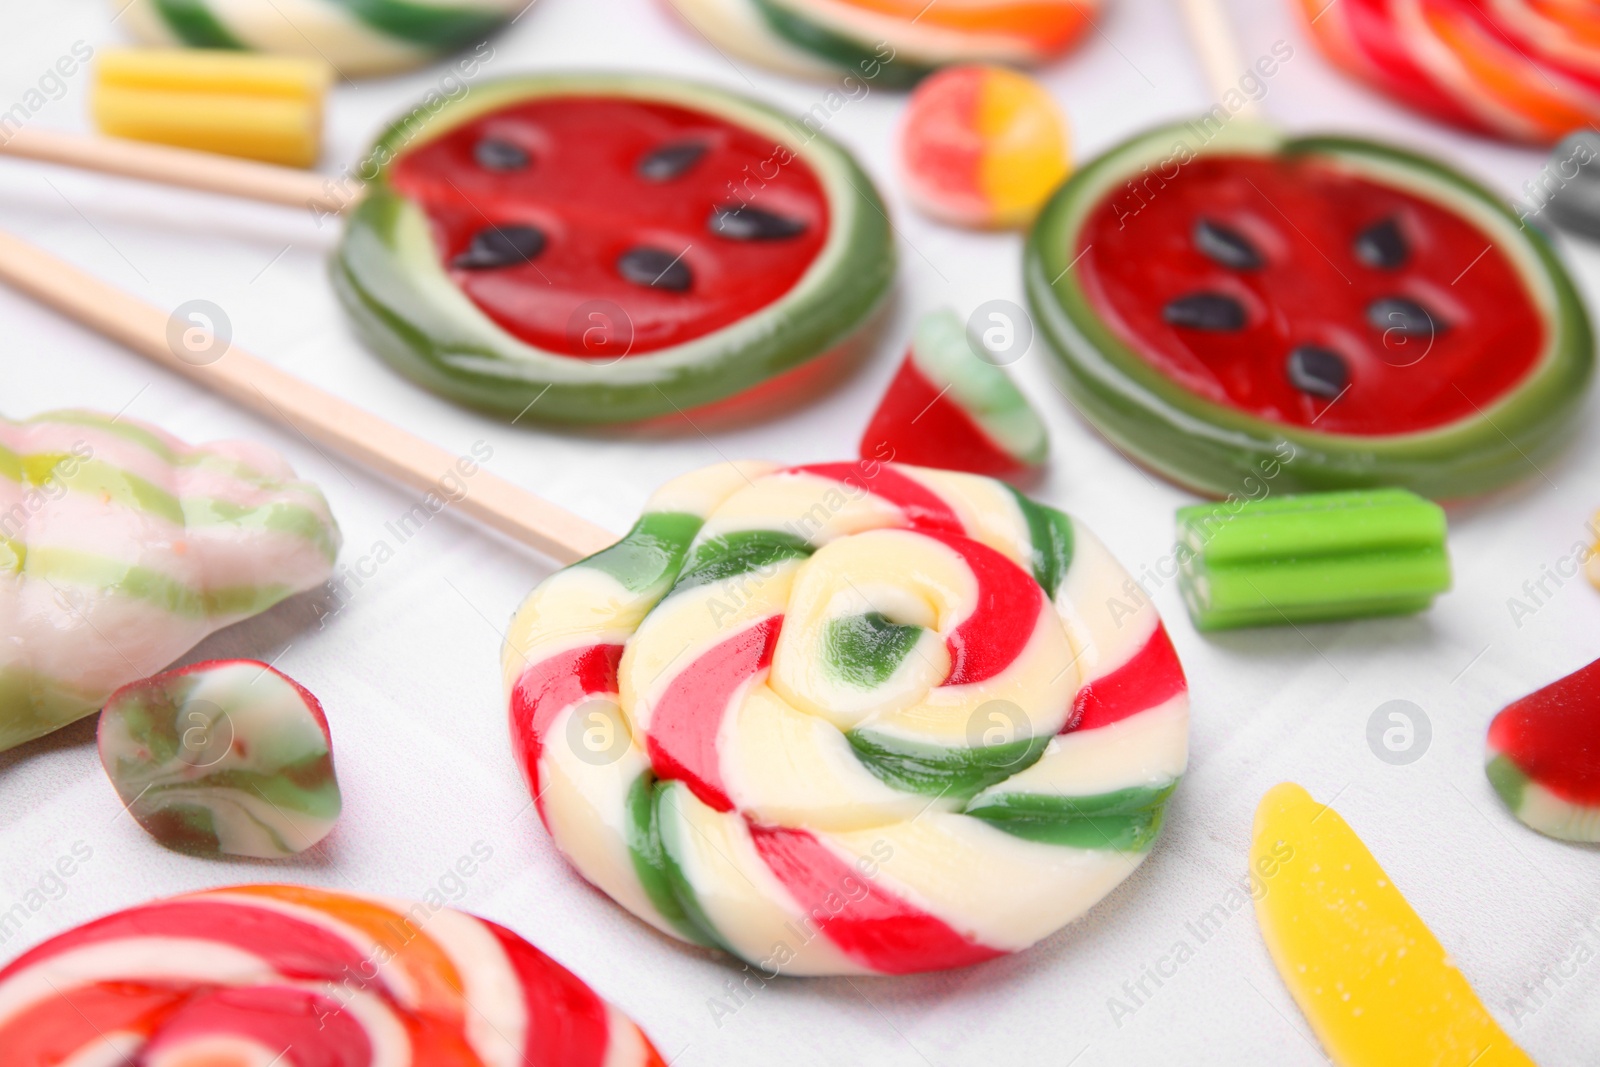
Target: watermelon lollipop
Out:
[611,248]
[1226,300]
[1544,757]
[949,407]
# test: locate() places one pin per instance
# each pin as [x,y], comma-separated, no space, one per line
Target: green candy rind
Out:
[388,276]
[838,49]
[960,773]
[704,931]
[1127,820]
[739,553]
[192,22]
[1311,558]
[429,26]
[1218,450]
[651,554]
[1508,781]
[866,650]
[1051,535]
[650,860]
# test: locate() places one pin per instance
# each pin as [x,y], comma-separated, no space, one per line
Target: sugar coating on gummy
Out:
[1328,313]
[1544,757]
[280,974]
[949,407]
[888,43]
[983,147]
[356,37]
[122,547]
[1373,981]
[1315,557]
[223,758]
[848,718]
[613,248]
[1521,70]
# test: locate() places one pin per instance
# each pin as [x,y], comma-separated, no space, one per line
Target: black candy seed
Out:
[1227,246]
[655,269]
[1205,311]
[752,224]
[1405,317]
[1318,371]
[500,246]
[670,161]
[1382,246]
[493,154]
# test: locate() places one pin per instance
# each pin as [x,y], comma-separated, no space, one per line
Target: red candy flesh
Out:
[1553,736]
[925,428]
[1304,215]
[582,191]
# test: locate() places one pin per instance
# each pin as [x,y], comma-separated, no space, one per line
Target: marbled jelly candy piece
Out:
[223,758]
[1544,757]
[122,547]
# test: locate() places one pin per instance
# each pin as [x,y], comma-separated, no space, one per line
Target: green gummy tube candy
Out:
[1311,558]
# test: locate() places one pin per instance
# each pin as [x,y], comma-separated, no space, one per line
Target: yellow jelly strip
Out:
[239,104]
[1370,977]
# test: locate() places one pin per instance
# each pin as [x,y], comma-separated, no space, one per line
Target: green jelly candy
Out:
[1311,558]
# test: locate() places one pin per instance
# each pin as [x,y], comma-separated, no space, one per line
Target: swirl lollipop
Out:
[849,718]
[289,976]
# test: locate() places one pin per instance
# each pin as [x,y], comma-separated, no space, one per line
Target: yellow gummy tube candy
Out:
[1370,977]
[260,107]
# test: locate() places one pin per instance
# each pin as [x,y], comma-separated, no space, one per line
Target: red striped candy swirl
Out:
[849,718]
[254,975]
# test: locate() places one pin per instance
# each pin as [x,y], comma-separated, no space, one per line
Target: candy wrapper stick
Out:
[1311,558]
[321,417]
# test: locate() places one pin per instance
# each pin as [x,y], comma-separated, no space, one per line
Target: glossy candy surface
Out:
[1544,757]
[121,547]
[1224,302]
[949,407]
[356,36]
[610,248]
[1372,980]
[888,43]
[982,147]
[848,718]
[289,976]
[1523,70]
[1316,557]
[227,757]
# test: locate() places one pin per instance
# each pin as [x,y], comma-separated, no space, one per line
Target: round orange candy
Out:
[983,147]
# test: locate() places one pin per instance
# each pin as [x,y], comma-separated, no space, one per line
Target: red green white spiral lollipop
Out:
[848,718]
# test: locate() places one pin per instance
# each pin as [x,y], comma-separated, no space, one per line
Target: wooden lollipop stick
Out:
[184,167]
[1219,52]
[320,417]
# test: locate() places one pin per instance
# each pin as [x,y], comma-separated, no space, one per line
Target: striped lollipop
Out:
[1522,70]
[354,36]
[254,975]
[849,718]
